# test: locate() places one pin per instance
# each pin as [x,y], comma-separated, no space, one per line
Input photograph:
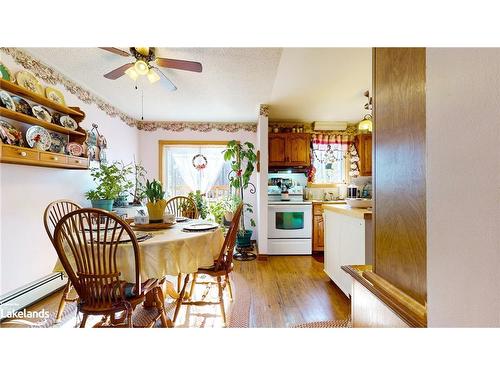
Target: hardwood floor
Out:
[286,291]
[290,290]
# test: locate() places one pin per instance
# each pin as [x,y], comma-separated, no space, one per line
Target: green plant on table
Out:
[154,191]
[111,181]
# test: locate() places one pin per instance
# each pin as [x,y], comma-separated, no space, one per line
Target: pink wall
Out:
[26,253]
[149,149]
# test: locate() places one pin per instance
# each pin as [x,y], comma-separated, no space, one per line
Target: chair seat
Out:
[213,272]
[146,287]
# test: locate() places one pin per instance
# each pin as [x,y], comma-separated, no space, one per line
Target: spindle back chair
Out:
[53,213]
[87,241]
[221,268]
[182,206]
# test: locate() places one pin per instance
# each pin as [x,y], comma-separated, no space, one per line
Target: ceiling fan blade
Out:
[118,72]
[167,81]
[192,66]
[116,51]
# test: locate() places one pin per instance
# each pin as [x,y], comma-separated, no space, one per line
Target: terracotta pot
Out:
[228,215]
[156,210]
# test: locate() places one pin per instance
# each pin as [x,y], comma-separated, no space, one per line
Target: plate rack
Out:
[30,156]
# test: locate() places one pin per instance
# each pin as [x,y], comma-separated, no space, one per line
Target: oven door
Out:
[289,221]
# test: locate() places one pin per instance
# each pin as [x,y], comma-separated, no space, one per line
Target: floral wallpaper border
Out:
[52,76]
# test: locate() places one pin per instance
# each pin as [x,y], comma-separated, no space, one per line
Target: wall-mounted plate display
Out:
[5,73]
[7,101]
[59,142]
[28,81]
[22,106]
[36,135]
[68,122]
[10,135]
[74,149]
[55,95]
[41,113]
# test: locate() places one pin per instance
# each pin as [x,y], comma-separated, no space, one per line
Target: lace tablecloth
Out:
[168,252]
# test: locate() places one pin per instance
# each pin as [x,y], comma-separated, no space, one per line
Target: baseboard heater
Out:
[29,294]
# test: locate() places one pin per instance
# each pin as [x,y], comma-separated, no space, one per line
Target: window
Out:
[329,158]
[189,167]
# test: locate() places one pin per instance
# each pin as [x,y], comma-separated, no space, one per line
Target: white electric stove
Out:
[289,223]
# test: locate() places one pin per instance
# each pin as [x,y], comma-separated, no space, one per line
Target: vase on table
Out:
[156,210]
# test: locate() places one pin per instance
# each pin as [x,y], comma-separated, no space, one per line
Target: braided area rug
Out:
[237,311]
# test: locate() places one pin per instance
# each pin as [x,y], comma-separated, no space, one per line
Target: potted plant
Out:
[111,180]
[243,158]
[223,208]
[156,204]
[139,184]
[200,202]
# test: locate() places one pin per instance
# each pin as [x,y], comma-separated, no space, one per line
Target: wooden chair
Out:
[182,206]
[53,213]
[90,238]
[221,268]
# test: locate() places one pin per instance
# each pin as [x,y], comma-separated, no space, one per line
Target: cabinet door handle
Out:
[23,154]
[77,161]
[55,158]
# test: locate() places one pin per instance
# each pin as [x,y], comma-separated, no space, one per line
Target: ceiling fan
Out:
[145,57]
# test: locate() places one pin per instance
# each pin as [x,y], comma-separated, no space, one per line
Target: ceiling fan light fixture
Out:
[153,76]
[132,73]
[141,67]
[143,50]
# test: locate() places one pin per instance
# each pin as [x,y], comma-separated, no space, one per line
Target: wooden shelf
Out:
[29,156]
[18,90]
[21,117]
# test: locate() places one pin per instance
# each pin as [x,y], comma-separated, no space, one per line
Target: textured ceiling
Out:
[300,83]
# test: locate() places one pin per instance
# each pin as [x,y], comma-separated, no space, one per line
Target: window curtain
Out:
[331,151]
[205,178]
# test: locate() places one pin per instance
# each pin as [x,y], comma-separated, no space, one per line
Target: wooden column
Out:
[393,292]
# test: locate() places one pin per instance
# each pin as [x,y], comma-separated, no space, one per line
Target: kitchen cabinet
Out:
[347,242]
[364,147]
[318,227]
[289,150]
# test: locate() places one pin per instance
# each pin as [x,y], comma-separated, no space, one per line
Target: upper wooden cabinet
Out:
[364,146]
[289,150]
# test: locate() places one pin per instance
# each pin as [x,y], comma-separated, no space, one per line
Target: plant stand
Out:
[244,253]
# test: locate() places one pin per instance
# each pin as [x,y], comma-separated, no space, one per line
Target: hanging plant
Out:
[199,162]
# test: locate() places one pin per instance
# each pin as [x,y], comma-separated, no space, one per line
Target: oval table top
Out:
[169,252]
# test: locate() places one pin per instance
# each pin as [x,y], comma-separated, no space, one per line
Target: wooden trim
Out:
[261,257]
[162,143]
[408,309]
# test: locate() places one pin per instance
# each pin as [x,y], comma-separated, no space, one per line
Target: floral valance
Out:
[322,141]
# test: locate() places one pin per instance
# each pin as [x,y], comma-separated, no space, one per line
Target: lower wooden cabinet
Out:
[318,228]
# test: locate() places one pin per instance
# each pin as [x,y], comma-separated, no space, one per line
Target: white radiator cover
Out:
[29,294]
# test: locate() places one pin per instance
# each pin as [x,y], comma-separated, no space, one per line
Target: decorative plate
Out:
[199,227]
[56,117]
[74,149]
[45,140]
[5,73]
[10,135]
[7,101]
[59,143]
[29,81]
[68,122]
[41,113]
[22,106]
[181,219]
[55,95]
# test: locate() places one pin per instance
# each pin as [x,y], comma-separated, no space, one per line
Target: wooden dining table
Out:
[171,251]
